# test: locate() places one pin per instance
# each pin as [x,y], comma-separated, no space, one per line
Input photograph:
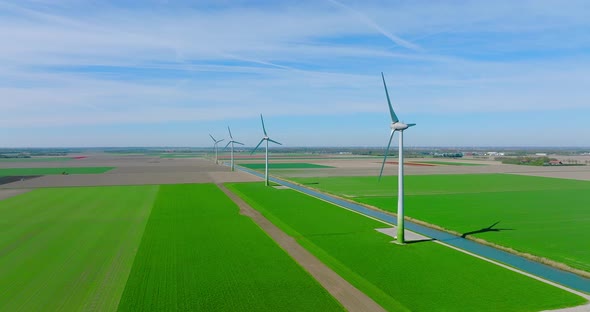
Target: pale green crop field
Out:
[144,248]
[70,249]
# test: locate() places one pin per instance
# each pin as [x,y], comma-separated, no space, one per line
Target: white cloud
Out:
[182,64]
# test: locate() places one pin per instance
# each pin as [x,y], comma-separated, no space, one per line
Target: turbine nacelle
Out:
[400,126]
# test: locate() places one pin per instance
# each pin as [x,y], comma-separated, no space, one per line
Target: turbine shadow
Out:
[486,229]
[420,240]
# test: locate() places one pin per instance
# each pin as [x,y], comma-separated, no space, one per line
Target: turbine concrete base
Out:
[410,237]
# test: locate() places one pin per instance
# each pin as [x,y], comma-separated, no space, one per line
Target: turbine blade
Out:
[411,125]
[386,152]
[231,137]
[256,147]
[213,138]
[226,145]
[275,142]
[391,112]
[236,142]
[219,141]
[263,128]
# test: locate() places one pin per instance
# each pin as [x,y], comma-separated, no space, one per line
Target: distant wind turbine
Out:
[232,141]
[267,139]
[396,125]
[215,145]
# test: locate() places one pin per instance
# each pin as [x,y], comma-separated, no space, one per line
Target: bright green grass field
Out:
[543,216]
[47,171]
[70,249]
[284,166]
[418,277]
[199,254]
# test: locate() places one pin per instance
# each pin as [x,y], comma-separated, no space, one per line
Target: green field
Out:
[70,249]
[546,217]
[199,254]
[140,248]
[284,166]
[47,171]
[418,277]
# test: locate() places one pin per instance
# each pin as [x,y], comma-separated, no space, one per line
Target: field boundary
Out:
[345,293]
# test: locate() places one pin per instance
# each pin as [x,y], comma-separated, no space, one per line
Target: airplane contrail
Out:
[240,58]
[397,40]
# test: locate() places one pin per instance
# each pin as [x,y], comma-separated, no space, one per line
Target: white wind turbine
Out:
[267,139]
[396,125]
[215,145]
[232,141]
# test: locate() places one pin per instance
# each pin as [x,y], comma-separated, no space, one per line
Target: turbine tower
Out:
[215,145]
[396,125]
[231,141]
[267,139]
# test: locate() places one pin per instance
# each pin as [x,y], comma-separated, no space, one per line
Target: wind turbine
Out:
[267,139]
[215,145]
[231,141]
[396,125]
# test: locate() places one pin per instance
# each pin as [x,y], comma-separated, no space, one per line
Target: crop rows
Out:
[70,249]
[199,254]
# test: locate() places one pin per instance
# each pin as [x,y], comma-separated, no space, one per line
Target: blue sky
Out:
[168,73]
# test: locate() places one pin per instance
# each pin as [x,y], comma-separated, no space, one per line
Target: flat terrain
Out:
[199,254]
[546,217]
[450,163]
[34,159]
[129,170]
[49,237]
[371,166]
[290,165]
[89,249]
[70,249]
[53,170]
[350,297]
[419,277]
